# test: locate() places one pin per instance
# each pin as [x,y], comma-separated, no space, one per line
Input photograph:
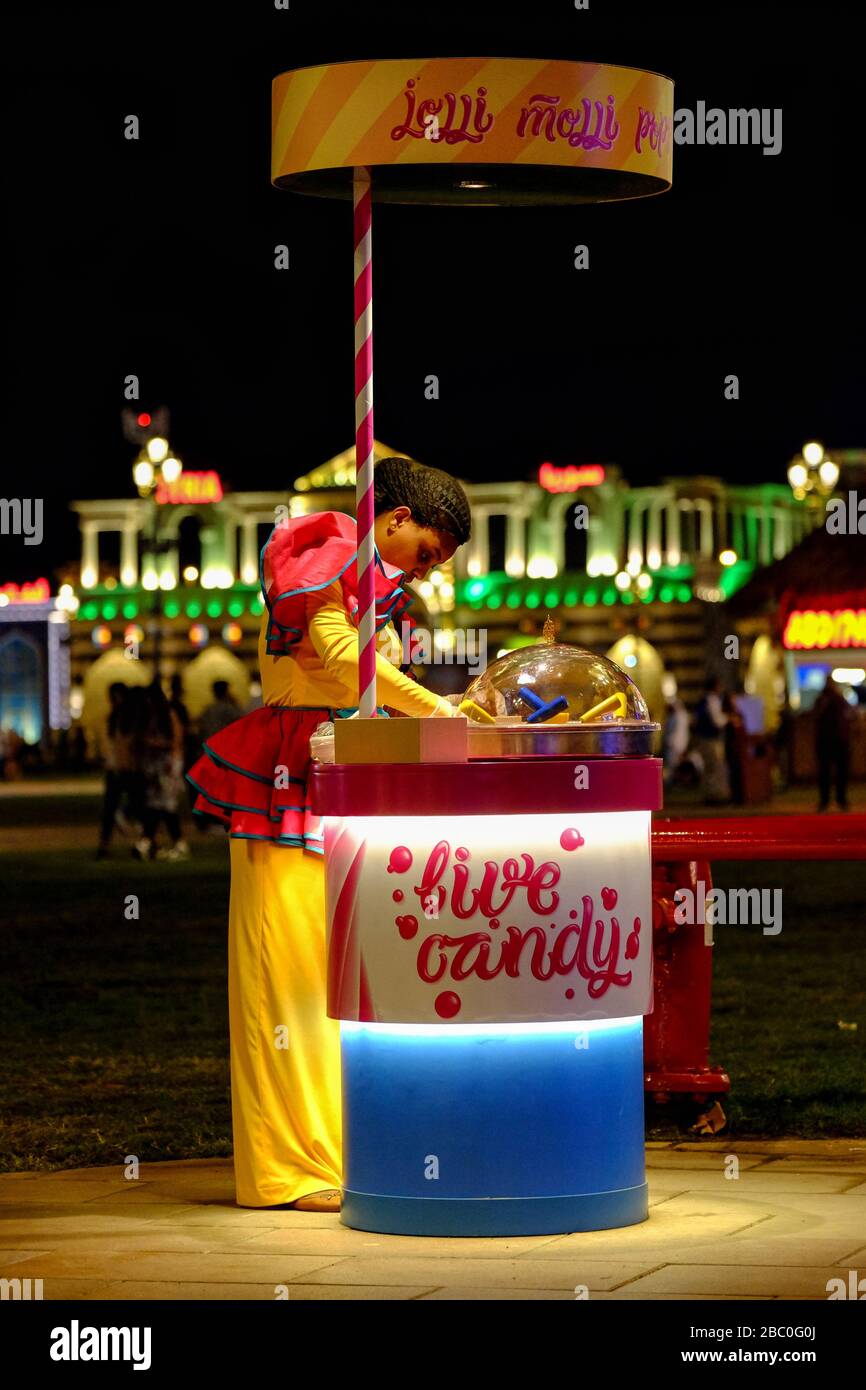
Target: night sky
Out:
[156,257]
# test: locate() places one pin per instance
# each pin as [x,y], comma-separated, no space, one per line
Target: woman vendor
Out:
[285,1051]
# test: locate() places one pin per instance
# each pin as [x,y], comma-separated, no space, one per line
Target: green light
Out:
[551,598]
[734,576]
[570,598]
[257,604]
[193,610]
[89,610]
[684,593]
[666,593]
[677,571]
[513,600]
[609,597]
[130,610]
[214,608]
[236,608]
[109,610]
[590,598]
[646,595]
[172,608]
[494,601]
[475,589]
[628,598]
[533,599]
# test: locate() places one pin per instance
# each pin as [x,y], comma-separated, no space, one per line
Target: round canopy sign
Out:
[485,131]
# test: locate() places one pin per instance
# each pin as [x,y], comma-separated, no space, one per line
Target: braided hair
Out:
[434,498]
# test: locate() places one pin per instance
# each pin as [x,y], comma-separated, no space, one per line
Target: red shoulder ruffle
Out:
[306,553]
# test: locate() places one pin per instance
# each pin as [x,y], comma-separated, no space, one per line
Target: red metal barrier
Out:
[761,837]
[677,1032]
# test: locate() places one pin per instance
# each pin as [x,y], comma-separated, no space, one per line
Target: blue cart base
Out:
[493,1129]
[494,1216]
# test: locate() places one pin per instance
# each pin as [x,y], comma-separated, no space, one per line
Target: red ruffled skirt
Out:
[253,777]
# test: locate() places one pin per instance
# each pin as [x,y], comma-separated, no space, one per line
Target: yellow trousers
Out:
[285,1051]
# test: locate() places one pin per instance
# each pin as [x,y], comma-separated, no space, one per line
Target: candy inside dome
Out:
[555,682]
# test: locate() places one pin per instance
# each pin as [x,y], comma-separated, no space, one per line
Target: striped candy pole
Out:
[364,442]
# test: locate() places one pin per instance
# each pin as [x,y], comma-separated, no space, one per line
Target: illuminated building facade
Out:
[34,662]
[804,620]
[576,540]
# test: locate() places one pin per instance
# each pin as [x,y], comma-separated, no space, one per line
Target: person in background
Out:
[782,744]
[108,751]
[177,706]
[832,717]
[733,729]
[216,716]
[77,750]
[221,712]
[191,747]
[129,749]
[675,736]
[163,772]
[122,747]
[710,722]
[15,750]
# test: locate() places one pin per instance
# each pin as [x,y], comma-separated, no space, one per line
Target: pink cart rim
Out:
[511,786]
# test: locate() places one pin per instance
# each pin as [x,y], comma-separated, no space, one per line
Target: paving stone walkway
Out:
[793,1219]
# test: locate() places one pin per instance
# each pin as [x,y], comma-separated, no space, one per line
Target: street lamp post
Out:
[812,475]
[154,465]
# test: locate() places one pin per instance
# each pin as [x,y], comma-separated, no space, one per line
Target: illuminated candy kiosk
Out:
[488,878]
[490,953]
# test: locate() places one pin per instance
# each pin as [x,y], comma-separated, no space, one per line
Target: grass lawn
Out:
[778,1002]
[115,1032]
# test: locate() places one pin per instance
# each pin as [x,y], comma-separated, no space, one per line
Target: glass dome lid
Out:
[555,683]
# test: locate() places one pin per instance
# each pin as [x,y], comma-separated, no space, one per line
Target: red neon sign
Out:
[38,591]
[197,488]
[571,477]
[819,629]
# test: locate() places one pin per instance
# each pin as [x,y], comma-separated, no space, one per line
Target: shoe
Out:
[327,1200]
[178,851]
[142,849]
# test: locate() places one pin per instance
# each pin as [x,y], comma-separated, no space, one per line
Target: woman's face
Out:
[412,548]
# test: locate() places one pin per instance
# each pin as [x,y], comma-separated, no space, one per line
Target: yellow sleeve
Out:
[336,642]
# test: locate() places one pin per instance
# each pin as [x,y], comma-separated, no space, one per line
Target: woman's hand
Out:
[447,709]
